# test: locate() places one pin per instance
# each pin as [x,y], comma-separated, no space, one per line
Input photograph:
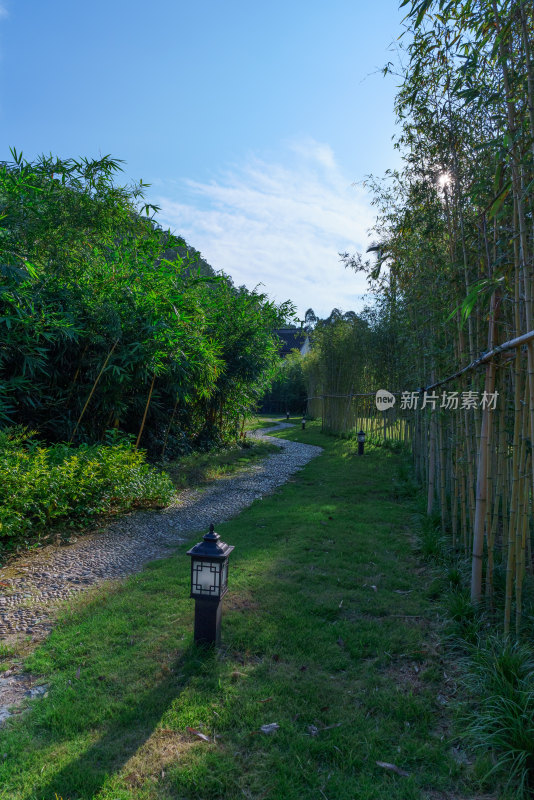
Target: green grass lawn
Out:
[200,468]
[330,630]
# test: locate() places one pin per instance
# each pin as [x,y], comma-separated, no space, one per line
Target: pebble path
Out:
[31,586]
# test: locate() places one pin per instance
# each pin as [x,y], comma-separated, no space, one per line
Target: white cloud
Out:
[281,225]
[315,151]
[3,10]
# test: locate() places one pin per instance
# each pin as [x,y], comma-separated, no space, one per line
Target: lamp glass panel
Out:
[224,575]
[206,578]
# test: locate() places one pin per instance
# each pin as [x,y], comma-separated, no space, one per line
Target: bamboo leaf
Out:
[499,200]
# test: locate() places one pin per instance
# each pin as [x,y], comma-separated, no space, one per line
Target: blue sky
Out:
[255,123]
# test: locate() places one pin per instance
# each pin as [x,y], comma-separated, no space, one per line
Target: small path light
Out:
[303,423]
[287,415]
[361,442]
[209,583]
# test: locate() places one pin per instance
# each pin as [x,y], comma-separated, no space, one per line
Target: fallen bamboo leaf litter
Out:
[393,768]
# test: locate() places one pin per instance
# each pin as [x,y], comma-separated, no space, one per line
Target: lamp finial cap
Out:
[211,536]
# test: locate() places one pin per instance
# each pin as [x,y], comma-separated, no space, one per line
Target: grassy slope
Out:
[328,622]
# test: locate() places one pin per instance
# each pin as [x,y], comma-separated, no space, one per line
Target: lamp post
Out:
[287,416]
[209,584]
[361,442]
[303,423]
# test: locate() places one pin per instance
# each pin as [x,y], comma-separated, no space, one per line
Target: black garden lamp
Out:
[287,415]
[209,584]
[361,442]
[303,423]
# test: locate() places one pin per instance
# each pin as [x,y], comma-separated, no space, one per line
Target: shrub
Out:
[41,486]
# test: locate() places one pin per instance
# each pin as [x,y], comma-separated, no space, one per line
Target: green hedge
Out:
[41,486]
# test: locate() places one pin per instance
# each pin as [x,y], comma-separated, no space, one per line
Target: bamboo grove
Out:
[452,268]
[110,323]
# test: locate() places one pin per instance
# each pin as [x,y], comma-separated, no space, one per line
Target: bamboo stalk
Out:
[511,555]
[520,533]
[95,384]
[471,504]
[442,493]
[431,467]
[169,428]
[76,375]
[498,492]
[454,513]
[482,468]
[146,410]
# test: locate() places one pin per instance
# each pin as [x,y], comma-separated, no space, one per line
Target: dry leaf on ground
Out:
[199,735]
[270,728]
[393,768]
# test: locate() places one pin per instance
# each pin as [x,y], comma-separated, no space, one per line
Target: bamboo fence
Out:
[344,414]
[472,451]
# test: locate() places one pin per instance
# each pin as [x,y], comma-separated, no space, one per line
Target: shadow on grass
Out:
[84,777]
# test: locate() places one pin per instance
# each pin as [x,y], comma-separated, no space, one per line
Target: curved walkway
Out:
[32,585]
